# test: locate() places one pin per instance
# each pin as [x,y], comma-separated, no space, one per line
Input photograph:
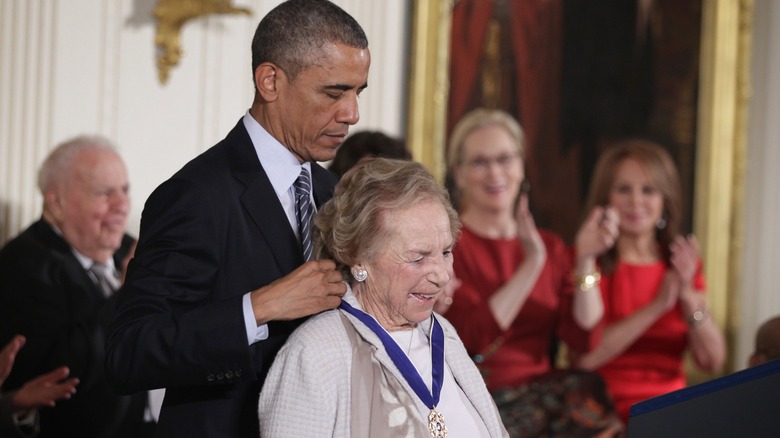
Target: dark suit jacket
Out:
[9,428]
[47,296]
[211,233]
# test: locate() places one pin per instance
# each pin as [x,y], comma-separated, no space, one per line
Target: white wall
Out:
[88,66]
[761,262]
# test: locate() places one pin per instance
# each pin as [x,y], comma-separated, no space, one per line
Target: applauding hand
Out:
[42,391]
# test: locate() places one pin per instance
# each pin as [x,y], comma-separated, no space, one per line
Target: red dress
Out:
[484,265]
[653,364]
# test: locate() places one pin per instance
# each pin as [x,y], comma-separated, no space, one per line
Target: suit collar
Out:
[260,200]
[47,235]
[280,165]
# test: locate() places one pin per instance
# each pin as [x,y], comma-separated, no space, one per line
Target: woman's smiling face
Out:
[637,198]
[411,267]
[491,170]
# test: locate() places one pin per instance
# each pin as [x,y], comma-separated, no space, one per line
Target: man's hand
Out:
[313,287]
[44,390]
[8,355]
[39,392]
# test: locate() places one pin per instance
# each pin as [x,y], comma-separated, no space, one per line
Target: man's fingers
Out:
[331,301]
[334,277]
[319,265]
[14,346]
[336,289]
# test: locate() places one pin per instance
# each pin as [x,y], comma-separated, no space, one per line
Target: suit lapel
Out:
[259,199]
[70,263]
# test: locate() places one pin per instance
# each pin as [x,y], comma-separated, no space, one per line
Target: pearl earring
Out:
[360,274]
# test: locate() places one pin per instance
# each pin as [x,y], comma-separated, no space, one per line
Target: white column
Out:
[761,262]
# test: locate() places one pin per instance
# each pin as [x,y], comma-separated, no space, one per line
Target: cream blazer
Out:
[333,378]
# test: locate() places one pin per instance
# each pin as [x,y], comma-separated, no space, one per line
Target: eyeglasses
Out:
[482,164]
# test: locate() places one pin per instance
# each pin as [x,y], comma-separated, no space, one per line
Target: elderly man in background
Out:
[57,284]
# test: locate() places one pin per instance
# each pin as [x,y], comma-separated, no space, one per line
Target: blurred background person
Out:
[367,144]
[767,345]
[382,365]
[19,408]
[518,291]
[57,287]
[651,280]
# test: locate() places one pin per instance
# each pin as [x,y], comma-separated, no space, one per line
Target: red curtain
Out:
[470,19]
[536,40]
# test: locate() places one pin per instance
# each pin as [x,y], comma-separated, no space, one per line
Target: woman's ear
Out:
[266,81]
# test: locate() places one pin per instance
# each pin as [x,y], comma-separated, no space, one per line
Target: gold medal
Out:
[436,424]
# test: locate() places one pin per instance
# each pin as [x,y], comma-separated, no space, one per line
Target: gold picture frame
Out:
[721,131]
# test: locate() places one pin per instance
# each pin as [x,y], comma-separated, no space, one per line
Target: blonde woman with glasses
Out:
[519,291]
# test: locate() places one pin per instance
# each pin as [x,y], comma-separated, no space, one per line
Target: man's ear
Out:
[267,76]
[53,203]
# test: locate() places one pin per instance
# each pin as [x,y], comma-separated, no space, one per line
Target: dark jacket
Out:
[47,296]
[211,233]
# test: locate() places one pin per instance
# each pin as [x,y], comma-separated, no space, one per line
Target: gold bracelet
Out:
[588,281]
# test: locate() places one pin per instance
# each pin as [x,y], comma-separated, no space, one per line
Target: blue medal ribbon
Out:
[402,362]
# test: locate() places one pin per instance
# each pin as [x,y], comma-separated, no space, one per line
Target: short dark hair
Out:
[367,144]
[293,34]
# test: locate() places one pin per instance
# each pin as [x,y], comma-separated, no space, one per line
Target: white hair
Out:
[55,166]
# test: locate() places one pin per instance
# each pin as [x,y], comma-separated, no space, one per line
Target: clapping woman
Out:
[651,280]
[518,288]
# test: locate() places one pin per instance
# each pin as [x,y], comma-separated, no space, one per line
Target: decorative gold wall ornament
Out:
[171,16]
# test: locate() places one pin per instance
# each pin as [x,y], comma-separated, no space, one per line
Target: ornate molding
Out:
[722,134]
[429,83]
[171,16]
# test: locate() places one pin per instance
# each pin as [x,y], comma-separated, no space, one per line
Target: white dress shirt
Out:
[282,169]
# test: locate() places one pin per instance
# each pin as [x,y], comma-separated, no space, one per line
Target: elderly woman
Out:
[382,364]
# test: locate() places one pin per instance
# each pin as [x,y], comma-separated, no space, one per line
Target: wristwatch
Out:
[697,317]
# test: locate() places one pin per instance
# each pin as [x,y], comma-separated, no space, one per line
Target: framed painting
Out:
[578,74]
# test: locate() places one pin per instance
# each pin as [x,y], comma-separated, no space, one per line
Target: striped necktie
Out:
[105,278]
[305,211]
